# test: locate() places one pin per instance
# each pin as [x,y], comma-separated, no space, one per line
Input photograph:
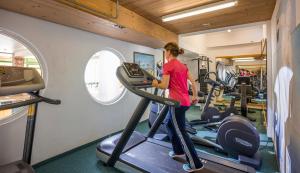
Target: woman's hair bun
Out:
[181,51]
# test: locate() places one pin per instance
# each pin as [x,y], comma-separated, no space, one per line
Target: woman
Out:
[175,76]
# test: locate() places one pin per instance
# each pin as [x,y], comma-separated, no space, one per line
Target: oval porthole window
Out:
[15,52]
[100,77]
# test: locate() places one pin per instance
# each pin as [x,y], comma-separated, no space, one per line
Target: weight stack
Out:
[203,85]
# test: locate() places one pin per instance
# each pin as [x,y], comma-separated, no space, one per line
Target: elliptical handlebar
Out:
[208,80]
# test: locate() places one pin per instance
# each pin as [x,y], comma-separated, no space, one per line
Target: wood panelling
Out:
[140,21]
[129,26]
[247,11]
[256,56]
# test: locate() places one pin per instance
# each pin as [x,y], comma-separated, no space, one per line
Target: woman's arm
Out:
[164,84]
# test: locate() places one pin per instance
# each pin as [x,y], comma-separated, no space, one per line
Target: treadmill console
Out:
[136,76]
[135,79]
[15,80]
[133,70]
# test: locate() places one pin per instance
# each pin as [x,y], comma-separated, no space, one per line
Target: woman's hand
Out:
[155,83]
[194,100]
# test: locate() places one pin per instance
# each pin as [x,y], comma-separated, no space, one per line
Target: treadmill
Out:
[16,80]
[132,152]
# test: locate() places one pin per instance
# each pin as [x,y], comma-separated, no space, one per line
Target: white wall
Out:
[242,49]
[79,119]
[240,36]
[222,43]
[194,43]
[283,115]
[240,41]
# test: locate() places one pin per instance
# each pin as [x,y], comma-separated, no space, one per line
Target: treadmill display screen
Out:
[133,70]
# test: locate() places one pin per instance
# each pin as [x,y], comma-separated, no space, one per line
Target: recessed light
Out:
[228,30]
[244,60]
[200,10]
[206,24]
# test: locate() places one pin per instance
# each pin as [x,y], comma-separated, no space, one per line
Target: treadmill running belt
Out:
[156,156]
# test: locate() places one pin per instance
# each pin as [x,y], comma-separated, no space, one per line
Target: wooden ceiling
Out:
[247,11]
[139,21]
[128,26]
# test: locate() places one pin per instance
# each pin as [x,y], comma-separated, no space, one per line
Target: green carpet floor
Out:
[84,160]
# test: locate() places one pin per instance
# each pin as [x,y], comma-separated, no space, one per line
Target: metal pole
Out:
[158,121]
[244,109]
[199,71]
[29,134]
[207,64]
[209,98]
[134,120]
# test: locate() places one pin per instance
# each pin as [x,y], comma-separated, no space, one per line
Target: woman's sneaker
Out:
[188,168]
[173,155]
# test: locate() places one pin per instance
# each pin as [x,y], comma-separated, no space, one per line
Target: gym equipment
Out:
[16,80]
[259,86]
[211,114]
[202,70]
[131,151]
[236,136]
[226,75]
[244,85]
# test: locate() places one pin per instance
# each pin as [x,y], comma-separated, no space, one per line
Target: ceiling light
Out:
[200,10]
[244,60]
[206,24]
[265,59]
[229,30]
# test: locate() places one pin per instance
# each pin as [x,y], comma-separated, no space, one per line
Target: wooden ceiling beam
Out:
[128,26]
[256,56]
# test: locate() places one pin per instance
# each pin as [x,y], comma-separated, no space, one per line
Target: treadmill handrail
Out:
[37,98]
[159,99]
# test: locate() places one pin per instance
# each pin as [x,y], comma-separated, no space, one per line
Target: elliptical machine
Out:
[236,136]
[211,114]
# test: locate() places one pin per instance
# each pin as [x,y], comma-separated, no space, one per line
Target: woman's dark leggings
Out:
[181,142]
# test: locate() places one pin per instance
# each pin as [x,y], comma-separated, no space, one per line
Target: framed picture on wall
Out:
[145,61]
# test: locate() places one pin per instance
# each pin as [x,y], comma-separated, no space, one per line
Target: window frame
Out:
[41,61]
[122,94]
